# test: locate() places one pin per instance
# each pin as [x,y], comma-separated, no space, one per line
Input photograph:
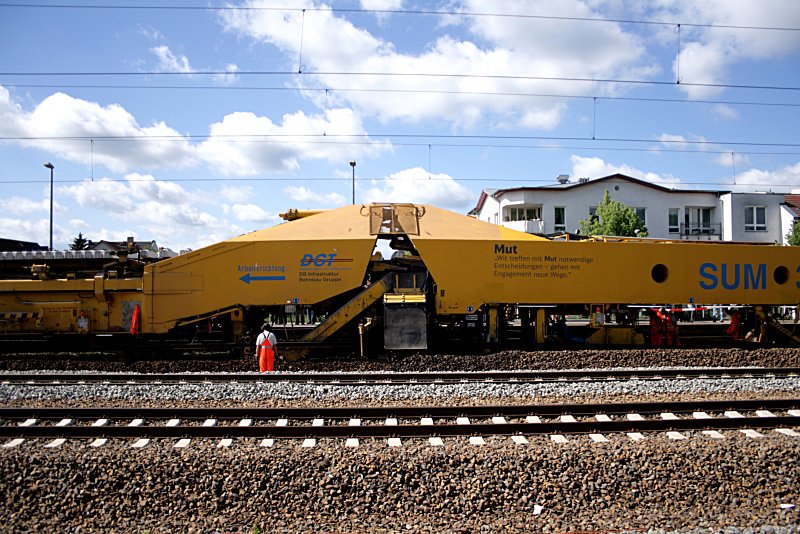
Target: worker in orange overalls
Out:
[266,349]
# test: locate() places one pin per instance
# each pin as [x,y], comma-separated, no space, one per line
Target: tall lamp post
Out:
[51,167]
[353,165]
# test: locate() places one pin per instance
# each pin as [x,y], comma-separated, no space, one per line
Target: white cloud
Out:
[500,46]
[597,168]
[304,194]
[418,186]
[784,178]
[227,79]
[252,213]
[378,5]
[702,64]
[153,209]
[708,54]
[150,33]
[723,111]
[732,159]
[273,147]
[263,146]
[683,142]
[24,206]
[169,62]
[236,194]
[62,116]
[36,230]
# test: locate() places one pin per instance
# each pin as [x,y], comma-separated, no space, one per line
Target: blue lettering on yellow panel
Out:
[320,260]
[733,276]
[798,272]
[709,272]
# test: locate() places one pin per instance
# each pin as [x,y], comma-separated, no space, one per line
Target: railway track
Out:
[396,378]
[393,423]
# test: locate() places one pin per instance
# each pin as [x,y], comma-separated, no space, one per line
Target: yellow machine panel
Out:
[305,261]
[471,272]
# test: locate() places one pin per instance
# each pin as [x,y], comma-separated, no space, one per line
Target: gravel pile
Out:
[701,485]
[506,360]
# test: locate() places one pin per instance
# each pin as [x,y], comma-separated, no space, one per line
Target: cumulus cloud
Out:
[379,5]
[498,46]
[708,54]
[61,116]
[153,209]
[597,168]
[244,144]
[273,147]
[309,197]
[24,206]
[416,185]
[732,159]
[784,178]
[683,142]
[252,213]
[169,62]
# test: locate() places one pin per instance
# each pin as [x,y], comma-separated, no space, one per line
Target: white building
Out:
[667,213]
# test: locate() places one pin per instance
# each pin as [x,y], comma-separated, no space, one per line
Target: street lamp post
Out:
[51,167]
[353,165]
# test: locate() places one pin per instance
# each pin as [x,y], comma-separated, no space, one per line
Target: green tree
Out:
[79,243]
[793,237]
[614,218]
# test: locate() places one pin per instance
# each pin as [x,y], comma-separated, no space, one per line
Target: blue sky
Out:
[191,126]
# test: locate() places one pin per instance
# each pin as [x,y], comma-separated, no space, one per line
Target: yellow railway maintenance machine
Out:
[449,278]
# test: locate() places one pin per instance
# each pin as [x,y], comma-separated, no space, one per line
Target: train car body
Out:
[446,275]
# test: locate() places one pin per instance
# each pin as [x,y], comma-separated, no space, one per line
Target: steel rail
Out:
[272,430]
[397,378]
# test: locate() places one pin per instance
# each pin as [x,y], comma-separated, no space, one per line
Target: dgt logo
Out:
[320,260]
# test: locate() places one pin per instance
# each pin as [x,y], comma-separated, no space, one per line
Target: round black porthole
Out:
[780,275]
[659,273]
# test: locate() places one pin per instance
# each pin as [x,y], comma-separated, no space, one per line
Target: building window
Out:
[755,218]
[641,213]
[560,219]
[524,214]
[674,225]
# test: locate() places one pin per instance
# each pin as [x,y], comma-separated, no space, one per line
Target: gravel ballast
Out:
[736,484]
[622,486]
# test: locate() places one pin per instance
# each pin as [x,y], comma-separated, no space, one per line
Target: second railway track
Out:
[397,378]
[396,422]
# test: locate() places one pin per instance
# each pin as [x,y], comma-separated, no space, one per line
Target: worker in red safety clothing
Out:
[266,349]
[658,319]
[735,328]
[671,331]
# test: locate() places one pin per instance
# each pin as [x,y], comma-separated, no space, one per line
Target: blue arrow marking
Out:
[247,278]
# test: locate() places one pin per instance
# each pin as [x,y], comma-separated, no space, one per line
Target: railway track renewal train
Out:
[391,277]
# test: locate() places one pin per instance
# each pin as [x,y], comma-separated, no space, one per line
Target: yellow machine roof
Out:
[353,222]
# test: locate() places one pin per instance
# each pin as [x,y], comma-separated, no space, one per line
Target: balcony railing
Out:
[689,231]
[533,226]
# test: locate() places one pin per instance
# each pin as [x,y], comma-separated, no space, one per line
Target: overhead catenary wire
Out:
[381,74]
[426,12]
[368,179]
[373,138]
[402,91]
